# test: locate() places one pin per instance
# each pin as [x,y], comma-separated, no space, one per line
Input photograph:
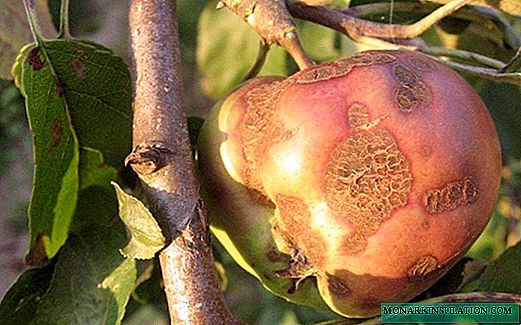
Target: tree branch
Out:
[475,14]
[356,27]
[273,23]
[398,36]
[162,160]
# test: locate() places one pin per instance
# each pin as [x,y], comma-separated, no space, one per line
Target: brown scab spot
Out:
[451,196]
[260,198]
[293,211]
[256,125]
[273,256]
[79,68]
[366,178]
[338,287]
[410,96]
[420,64]
[358,115]
[355,243]
[60,89]
[36,255]
[56,135]
[371,57]
[403,75]
[383,58]
[325,72]
[34,60]
[279,134]
[370,304]
[422,267]
[295,215]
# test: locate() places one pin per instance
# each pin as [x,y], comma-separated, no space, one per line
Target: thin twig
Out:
[290,42]
[356,27]
[467,56]
[259,61]
[488,73]
[30,11]
[272,21]
[163,161]
[515,63]
[512,7]
[474,14]
[64,20]
[378,35]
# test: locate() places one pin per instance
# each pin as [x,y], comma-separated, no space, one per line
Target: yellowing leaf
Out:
[146,236]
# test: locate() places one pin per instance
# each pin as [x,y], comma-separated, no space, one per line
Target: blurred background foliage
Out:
[218,49]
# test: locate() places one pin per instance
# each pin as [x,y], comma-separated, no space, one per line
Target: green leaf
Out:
[98,89]
[77,94]
[15,31]
[319,41]
[93,170]
[146,236]
[97,205]
[19,303]
[147,315]
[226,50]
[56,157]
[149,287]
[504,103]
[491,243]
[92,281]
[503,274]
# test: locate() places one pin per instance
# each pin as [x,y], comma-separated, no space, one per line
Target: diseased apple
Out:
[365,178]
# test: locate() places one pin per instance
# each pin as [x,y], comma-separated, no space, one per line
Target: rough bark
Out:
[162,160]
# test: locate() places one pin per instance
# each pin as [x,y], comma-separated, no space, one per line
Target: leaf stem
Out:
[488,73]
[64,20]
[259,61]
[30,10]
[515,63]
[470,57]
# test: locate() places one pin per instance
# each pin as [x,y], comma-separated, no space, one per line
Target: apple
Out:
[353,182]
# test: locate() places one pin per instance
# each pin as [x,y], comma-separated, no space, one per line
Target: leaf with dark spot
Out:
[56,158]
[56,135]
[34,59]
[78,94]
[79,68]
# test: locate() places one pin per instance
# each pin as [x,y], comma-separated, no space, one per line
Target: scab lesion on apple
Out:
[367,166]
